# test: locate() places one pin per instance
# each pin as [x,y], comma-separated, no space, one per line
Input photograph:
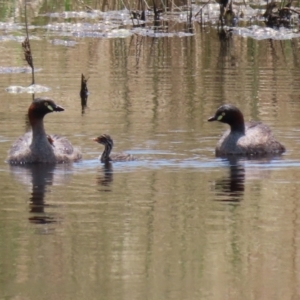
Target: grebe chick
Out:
[38,147]
[248,139]
[108,143]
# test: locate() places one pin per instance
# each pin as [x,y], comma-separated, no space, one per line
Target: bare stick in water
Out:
[26,47]
[83,92]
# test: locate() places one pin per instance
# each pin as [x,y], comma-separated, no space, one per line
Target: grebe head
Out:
[42,106]
[230,115]
[104,139]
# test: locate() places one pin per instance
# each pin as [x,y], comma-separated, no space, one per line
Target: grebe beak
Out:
[211,119]
[58,108]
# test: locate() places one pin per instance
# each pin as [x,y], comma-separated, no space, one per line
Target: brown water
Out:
[177,223]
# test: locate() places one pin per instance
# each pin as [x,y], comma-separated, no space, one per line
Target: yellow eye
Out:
[48,106]
[220,117]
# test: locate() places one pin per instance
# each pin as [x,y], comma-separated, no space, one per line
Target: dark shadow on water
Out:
[105,178]
[231,188]
[40,177]
[227,55]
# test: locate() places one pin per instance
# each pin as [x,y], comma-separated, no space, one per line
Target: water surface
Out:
[177,223]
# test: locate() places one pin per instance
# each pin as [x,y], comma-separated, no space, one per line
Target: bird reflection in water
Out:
[40,177]
[105,177]
[231,188]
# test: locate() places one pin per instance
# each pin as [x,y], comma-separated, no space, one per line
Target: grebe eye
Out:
[48,106]
[220,117]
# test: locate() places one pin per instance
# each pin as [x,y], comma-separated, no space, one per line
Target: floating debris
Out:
[91,14]
[116,33]
[91,34]
[261,33]
[8,70]
[19,39]
[11,26]
[81,27]
[159,34]
[58,42]
[119,33]
[34,88]
[156,21]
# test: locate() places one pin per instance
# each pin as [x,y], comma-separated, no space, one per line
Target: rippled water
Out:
[177,223]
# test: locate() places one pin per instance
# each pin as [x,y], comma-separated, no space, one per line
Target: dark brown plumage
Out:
[38,147]
[253,138]
[108,143]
